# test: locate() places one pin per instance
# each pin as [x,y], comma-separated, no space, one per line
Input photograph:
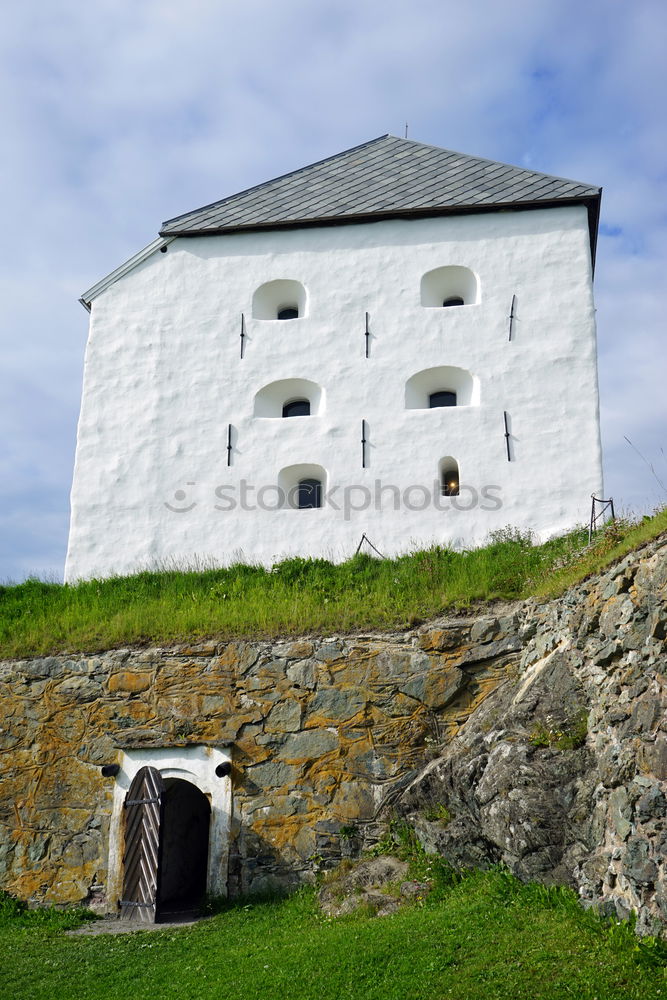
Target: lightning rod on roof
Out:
[406,130]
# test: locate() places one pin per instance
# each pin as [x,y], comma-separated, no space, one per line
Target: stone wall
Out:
[562,773]
[538,731]
[319,730]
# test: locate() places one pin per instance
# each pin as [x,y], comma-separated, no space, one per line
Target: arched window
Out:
[288,312]
[297,408]
[309,494]
[303,486]
[289,397]
[280,299]
[442,386]
[443,397]
[451,285]
[449,477]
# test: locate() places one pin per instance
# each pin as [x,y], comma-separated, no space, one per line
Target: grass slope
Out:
[486,938]
[298,595]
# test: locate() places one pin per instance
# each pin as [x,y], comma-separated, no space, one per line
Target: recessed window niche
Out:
[283,299]
[303,486]
[442,386]
[449,286]
[448,474]
[289,397]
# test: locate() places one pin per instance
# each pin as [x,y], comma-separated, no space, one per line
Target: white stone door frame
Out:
[196,764]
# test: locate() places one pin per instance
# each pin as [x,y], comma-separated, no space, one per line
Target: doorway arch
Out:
[197,776]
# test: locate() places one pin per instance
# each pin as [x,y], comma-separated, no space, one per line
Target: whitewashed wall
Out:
[164,378]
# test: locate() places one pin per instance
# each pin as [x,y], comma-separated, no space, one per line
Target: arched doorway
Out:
[208,769]
[166,846]
[185,834]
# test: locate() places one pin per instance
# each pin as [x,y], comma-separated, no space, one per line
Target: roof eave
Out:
[591,202]
[161,243]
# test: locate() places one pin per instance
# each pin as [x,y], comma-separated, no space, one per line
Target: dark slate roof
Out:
[382,178]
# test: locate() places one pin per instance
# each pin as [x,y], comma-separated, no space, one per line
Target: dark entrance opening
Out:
[184,847]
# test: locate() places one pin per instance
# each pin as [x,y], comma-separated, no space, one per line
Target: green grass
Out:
[615,542]
[299,595]
[485,937]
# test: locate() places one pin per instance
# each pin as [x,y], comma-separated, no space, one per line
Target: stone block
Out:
[130,682]
[353,800]
[240,656]
[289,805]
[490,650]
[302,674]
[131,712]
[285,717]
[305,842]
[653,757]
[266,675]
[48,667]
[390,664]
[605,653]
[638,866]
[658,623]
[337,704]
[651,805]
[216,704]
[414,688]
[79,689]
[309,745]
[328,653]
[616,612]
[273,774]
[484,629]
[646,713]
[442,686]
[396,704]
[619,812]
[301,649]
[440,639]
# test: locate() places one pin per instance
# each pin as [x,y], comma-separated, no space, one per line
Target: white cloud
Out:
[122,114]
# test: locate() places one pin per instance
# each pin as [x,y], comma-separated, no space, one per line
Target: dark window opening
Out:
[442,398]
[450,482]
[454,300]
[289,312]
[297,408]
[309,494]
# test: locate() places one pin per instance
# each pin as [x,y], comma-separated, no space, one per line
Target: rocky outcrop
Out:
[378,886]
[562,773]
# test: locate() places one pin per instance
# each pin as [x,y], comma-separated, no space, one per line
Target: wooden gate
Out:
[144,811]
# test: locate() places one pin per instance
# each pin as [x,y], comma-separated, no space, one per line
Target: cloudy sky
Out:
[121,113]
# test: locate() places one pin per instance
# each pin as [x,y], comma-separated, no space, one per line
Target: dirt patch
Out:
[113,925]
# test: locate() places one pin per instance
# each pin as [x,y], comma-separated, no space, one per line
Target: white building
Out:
[400,334]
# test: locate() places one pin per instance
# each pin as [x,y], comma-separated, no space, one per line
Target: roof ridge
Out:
[486,159]
[272,180]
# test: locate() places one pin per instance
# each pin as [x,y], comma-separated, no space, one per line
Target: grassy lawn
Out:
[486,937]
[299,595]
